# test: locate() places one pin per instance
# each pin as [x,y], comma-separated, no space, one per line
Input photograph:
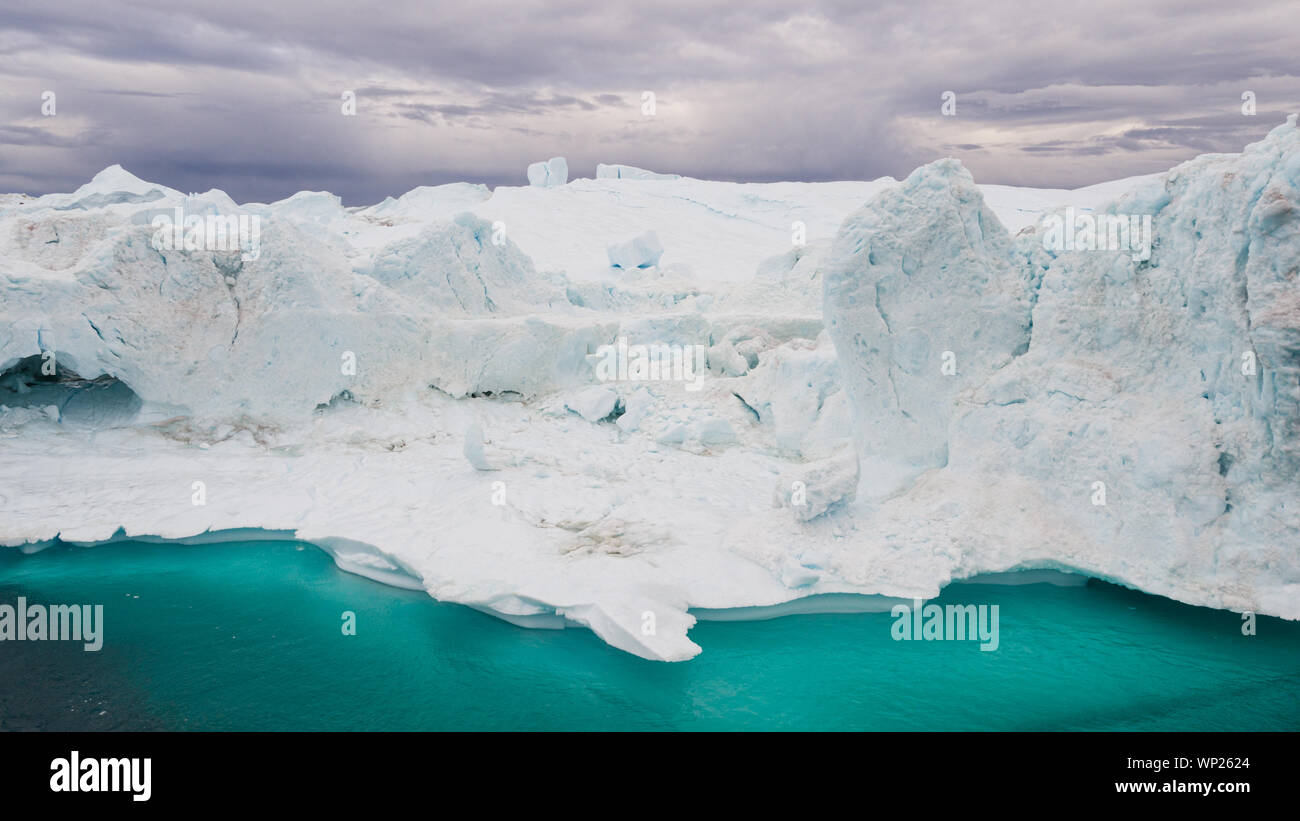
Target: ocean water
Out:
[247,636]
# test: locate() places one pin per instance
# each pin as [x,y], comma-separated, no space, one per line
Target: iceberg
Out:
[921,275]
[629,172]
[549,174]
[901,394]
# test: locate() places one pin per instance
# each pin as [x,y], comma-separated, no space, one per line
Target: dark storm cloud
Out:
[515,103]
[246,96]
[32,136]
[1060,147]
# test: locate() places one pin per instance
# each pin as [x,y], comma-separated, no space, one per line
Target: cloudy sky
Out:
[246,96]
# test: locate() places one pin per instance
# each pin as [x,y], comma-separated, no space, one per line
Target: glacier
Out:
[904,385]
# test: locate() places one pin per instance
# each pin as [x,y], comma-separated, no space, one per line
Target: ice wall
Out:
[900,393]
[1133,417]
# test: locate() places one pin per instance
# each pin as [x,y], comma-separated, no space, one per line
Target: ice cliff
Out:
[1095,400]
[869,388]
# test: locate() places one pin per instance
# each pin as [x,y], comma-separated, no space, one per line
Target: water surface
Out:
[247,635]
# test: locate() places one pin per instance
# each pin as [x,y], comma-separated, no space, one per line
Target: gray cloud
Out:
[245,96]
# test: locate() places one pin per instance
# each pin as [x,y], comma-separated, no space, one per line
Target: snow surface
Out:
[412,386]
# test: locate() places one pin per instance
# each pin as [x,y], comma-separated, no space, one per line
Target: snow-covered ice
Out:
[906,394]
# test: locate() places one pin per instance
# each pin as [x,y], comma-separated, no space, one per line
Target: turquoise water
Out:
[247,636]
